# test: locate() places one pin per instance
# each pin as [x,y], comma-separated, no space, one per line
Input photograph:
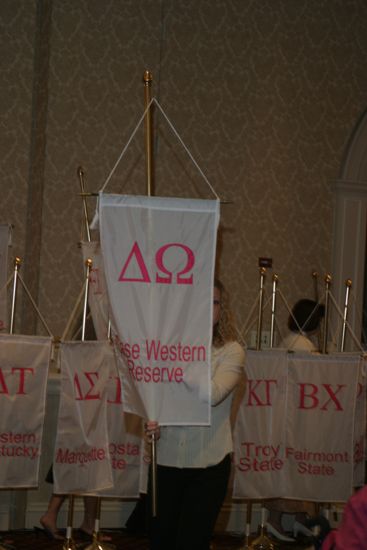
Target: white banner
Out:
[97,295]
[125,443]
[159,265]
[81,460]
[294,436]
[24,363]
[4,245]
[259,428]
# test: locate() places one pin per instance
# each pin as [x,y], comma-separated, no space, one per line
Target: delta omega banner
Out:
[159,256]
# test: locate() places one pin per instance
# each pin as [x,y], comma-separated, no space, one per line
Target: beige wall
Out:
[265,95]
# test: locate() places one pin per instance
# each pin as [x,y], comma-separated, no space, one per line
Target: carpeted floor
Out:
[121,540]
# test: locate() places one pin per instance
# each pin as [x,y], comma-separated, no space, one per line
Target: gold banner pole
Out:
[69,543]
[84,199]
[316,297]
[260,314]
[96,544]
[88,264]
[17,263]
[327,296]
[273,306]
[348,286]
[262,541]
[246,545]
[147,79]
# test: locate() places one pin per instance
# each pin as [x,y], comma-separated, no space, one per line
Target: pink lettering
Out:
[262,387]
[181,280]
[135,253]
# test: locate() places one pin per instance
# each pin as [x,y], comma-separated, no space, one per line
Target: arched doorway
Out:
[350,224]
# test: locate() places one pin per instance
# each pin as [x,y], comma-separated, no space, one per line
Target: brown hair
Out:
[225,329]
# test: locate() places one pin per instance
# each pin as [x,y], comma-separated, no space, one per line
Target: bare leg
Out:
[49,518]
[90,513]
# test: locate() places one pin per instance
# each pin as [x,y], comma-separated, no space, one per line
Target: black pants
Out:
[188,504]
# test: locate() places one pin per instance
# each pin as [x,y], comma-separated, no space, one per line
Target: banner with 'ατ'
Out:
[24,364]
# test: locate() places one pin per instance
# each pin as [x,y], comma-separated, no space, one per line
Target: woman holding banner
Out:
[194,462]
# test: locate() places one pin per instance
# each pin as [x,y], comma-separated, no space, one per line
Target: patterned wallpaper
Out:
[265,95]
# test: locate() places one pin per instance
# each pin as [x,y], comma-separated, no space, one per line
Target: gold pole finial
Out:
[275,278]
[348,283]
[328,279]
[147,78]
[89,262]
[17,261]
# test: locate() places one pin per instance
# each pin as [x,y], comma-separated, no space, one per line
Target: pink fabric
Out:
[352,533]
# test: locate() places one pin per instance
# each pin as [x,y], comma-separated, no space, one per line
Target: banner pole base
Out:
[69,544]
[98,545]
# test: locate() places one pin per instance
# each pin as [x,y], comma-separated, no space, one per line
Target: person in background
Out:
[49,519]
[303,323]
[352,533]
[194,462]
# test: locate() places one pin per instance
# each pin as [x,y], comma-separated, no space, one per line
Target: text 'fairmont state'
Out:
[159,358]
[272,458]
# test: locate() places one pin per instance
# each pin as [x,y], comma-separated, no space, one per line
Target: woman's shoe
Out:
[278,534]
[46,530]
[300,528]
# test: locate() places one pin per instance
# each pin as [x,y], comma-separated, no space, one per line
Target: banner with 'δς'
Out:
[81,460]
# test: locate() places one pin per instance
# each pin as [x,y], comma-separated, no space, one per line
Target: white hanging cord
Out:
[186,149]
[126,147]
[7,283]
[296,336]
[244,328]
[352,333]
[35,306]
[291,314]
[73,313]
[241,338]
